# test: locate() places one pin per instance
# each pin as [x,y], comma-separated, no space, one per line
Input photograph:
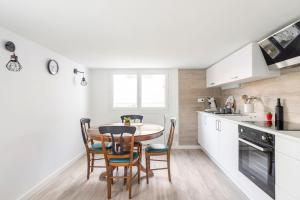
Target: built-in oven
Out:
[257,158]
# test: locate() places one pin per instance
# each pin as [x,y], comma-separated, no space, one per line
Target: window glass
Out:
[153,90]
[125,91]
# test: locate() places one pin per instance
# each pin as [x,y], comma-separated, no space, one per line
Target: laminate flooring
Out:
[194,177]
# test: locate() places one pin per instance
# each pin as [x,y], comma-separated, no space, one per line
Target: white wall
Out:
[39,116]
[101,110]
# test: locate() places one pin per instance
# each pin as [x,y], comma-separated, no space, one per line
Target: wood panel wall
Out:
[191,86]
[286,87]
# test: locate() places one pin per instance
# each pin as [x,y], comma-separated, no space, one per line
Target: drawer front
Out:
[288,174]
[288,146]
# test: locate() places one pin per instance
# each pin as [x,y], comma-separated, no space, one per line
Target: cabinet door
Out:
[211,77]
[228,147]
[216,75]
[287,174]
[282,195]
[239,64]
[211,136]
[203,134]
[201,124]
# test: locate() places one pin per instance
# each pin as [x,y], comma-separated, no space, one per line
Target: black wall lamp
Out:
[13,64]
[83,80]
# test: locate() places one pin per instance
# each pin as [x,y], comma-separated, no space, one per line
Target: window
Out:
[153,88]
[125,91]
[139,91]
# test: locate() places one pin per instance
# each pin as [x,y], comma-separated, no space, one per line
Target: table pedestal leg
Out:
[143,169]
[102,176]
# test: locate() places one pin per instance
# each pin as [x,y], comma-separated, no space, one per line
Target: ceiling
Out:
[146,33]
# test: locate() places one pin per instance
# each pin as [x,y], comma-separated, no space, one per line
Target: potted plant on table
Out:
[127,121]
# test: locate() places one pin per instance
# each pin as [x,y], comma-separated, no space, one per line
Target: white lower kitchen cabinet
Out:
[201,127]
[227,156]
[207,134]
[282,195]
[211,136]
[219,139]
[287,162]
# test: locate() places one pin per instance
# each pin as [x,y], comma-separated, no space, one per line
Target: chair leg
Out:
[112,174]
[108,178]
[147,168]
[88,166]
[129,181]
[141,151]
[125,175]
[93,162]
[139,170]
[169,167]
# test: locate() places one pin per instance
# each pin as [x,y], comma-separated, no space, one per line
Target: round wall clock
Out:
[53,67]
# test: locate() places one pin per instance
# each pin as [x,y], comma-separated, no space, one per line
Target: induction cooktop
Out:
[284,126]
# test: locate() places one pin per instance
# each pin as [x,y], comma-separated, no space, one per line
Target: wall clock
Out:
[53,67]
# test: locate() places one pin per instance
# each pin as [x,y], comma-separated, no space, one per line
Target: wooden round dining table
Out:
[144,132]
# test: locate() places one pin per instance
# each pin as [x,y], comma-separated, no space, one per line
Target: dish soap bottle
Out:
[279,115]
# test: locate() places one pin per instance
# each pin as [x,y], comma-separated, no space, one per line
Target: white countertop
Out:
[294,135]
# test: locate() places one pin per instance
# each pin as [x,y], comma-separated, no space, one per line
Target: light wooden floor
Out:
[194,176]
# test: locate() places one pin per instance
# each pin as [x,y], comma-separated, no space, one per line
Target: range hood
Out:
[282,49]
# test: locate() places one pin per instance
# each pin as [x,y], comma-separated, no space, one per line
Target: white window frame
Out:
[139,91]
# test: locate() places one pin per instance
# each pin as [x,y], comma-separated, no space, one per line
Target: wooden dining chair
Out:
[125,156]
[160,150]
[134,118]
[92,148]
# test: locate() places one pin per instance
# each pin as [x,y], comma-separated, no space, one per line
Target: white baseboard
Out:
[187,147]
[48,179]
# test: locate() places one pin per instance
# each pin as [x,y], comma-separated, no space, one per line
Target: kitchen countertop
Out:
[293,135]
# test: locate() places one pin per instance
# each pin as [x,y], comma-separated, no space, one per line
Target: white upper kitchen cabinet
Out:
[246,64]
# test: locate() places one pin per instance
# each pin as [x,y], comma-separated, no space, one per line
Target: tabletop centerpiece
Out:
[127,121]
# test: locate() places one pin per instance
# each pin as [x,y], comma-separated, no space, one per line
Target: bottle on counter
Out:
[279,120]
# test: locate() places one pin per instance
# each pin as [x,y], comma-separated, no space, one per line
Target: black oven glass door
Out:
[257,163]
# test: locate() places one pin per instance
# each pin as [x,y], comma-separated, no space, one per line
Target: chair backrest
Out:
[171,134]
[85,124]
[117,134]
[133,117]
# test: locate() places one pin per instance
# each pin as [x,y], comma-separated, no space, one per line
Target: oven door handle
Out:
[254,145]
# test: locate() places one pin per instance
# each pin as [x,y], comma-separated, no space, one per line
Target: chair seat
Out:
[156,148]
[98,146]
[124,160]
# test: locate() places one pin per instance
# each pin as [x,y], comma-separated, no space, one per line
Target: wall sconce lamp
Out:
[83,80]
[13,64]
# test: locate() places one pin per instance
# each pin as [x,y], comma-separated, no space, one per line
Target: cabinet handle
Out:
[219,125]
[235,77]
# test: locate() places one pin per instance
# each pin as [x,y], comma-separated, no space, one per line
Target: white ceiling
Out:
[146,33]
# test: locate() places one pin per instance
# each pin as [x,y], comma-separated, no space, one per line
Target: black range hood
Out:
[282,49]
